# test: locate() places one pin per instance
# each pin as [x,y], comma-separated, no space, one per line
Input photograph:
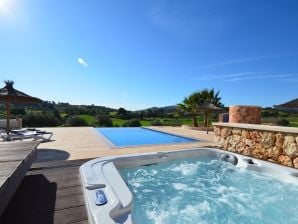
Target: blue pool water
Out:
[140,136]
[205,190]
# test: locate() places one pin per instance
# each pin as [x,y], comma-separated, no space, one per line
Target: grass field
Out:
[292,119]
[88,118]
[118,122]
[147,122]
[183,121]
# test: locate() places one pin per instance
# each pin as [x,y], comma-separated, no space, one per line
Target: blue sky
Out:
[138,54]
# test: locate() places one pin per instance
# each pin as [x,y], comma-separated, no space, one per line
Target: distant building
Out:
[288,106]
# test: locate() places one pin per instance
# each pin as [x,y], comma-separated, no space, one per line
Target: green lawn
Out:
[147,122]
[117,121]
[292,119]
[88,118]
[294,124]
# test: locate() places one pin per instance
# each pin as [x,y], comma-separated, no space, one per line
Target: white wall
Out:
[14,123]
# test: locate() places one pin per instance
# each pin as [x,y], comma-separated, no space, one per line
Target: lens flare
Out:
[5,7]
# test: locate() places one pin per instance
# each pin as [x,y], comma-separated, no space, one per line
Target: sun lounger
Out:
[27,134]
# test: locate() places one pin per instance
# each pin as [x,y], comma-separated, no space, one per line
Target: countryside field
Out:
[90,120]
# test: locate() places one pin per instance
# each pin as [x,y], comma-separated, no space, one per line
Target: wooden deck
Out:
[15,160]
[50,193]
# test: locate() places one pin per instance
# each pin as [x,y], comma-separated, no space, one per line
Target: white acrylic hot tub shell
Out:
[102,174]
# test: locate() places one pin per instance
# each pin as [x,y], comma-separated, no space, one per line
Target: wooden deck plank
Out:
[3,184]
[7,168]
[50,193]
[61,203]
[15,160]
[47,194]
[58,164]
[64,216]
[2,180]
[15,156]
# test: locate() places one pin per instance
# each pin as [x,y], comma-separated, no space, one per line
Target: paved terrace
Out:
[74,143]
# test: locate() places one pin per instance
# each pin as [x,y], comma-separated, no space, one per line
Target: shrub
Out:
[156,123]
[75,121]
[40,120]
[283,122]
[103,120]
[132,123]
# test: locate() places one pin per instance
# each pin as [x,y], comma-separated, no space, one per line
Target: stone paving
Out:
[71,143]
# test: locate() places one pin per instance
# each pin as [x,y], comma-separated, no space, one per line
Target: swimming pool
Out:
[191,186]
[123,137]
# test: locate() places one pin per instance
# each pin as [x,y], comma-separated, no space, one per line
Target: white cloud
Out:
[247,76]
[240,60]
[81,61]
[254,77]
[225,76]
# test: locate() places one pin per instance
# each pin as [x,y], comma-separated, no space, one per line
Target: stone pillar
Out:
[245,114]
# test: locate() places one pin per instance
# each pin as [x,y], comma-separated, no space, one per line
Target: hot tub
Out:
[202,185]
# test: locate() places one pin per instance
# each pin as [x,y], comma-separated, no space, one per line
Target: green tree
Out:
[75,121]
[121,111]
[190,105]
[212,97]
[132,123]
[103,120]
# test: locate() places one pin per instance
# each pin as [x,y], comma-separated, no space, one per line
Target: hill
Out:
[166,109]
[288,106]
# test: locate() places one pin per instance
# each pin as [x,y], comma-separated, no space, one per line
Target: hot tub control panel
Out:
[100,197]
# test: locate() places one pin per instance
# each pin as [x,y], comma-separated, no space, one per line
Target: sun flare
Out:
[5,7]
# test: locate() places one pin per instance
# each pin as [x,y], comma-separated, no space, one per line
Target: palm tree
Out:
[190,105]
[211,97]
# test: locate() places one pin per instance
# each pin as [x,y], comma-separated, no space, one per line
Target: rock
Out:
[225,132]
[244,151]
[273,152]
[217,131]
[297,140]
[245,134]
[267,140]
[219,141]
[255,136]
[232,142]
[236,131]
[249,143]
[295,162]
[240,145]
[285,160]
[228,142]
[279,140]
[259,153]
[290,147]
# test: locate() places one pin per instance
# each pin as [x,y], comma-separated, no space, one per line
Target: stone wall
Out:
[245,114]
[271,143]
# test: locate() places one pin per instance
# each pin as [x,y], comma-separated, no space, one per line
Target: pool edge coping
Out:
[112,146]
